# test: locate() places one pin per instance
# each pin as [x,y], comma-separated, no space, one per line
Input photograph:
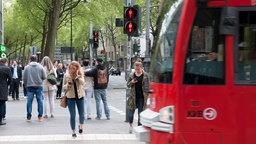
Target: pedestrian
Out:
[48,88]
[73,84]
[100,78]
[138,81]
[33,77]
[16,78]
[88,89]
[5,78]
[60,74]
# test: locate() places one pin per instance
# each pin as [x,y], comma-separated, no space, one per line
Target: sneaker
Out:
[108,118]
[28,119]
[45,116]
[97,118]
[89,118]
[40,119]
[74,135]
[52,116]
[130,129]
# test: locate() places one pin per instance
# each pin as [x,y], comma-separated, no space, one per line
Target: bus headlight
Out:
[167,114]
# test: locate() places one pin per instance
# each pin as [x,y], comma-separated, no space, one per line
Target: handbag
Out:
[63,101]
[52,79]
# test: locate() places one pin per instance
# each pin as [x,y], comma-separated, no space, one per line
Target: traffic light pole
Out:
[91,52]
[148,43]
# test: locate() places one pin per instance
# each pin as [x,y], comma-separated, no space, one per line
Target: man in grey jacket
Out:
[33,77]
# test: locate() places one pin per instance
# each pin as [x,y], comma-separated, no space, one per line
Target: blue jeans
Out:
[87,101]
[31,91]
[101,94]
[72,103]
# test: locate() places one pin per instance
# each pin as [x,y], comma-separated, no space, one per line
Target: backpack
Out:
[51,78]
[102,76]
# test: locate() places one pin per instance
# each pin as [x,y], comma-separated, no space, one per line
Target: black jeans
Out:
[139,104]
[2,110]
[15,88]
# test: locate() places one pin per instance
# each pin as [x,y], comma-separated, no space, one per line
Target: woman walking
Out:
[138,81]
[48,89]
[73,84]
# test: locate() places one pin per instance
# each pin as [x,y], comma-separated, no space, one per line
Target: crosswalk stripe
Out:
[94,137]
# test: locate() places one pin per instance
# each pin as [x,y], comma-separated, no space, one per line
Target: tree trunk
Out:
[52,29]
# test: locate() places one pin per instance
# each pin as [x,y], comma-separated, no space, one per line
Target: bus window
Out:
[205,52]
[162,63]
[245,53]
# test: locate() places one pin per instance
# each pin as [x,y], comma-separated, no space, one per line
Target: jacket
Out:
[5,78]
[93,73]
[88,81]
[79,83]
[33,75]
[46,85]
[131,102]
[19,72]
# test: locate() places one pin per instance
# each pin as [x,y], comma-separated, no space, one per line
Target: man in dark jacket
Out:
[100,78]
[5,78]
[16,78]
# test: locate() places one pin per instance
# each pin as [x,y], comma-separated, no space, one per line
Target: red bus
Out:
[203,75]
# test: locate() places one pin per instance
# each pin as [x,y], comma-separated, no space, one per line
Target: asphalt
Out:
[57,130]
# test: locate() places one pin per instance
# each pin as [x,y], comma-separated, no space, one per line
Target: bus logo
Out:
[210,113]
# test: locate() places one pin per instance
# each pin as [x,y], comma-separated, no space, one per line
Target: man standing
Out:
[33,77]
[100,78]
[5,78]
[16,78]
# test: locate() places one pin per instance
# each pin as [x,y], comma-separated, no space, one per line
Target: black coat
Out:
[19,72]
[5,80]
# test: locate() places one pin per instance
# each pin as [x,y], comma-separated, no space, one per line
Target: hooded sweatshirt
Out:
[33,75]
[93,73]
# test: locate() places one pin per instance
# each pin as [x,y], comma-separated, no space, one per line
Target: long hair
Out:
[46,62]
[78,66]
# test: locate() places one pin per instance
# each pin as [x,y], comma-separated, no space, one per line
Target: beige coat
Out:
[46,85]
[79,83]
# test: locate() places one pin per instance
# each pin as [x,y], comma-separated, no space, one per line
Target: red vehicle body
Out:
[203,75]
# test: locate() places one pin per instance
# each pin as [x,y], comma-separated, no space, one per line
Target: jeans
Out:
[31,91]
[139,103]
[72,103]
[49,100]
[87,101]
[101,94]
[2,110]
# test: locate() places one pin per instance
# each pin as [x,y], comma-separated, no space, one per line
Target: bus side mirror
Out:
[229,21]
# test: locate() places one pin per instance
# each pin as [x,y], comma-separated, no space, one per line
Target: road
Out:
[57,130]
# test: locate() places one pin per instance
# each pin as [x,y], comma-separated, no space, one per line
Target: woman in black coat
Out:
[5,78]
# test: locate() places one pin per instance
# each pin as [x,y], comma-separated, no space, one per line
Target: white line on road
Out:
[120,112]
[95,137]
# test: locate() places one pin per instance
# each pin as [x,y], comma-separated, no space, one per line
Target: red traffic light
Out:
[130,27]
[95,39]
[131,13]
[95,33]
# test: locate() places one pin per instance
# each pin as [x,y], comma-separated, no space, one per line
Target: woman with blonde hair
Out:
[73,84]
[48,88]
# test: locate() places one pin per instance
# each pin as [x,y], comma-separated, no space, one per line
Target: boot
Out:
[1,122]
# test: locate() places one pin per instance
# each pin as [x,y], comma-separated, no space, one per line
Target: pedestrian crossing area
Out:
[82,137]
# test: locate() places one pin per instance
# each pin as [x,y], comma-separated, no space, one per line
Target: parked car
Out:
[116,72]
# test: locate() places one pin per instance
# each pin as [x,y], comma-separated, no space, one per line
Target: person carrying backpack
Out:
[100,78]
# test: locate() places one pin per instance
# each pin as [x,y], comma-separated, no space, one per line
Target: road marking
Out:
[94,137]
[121,112]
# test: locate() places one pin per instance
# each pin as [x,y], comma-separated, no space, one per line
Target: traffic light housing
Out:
[132,20]
[95,39]
[2,51]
